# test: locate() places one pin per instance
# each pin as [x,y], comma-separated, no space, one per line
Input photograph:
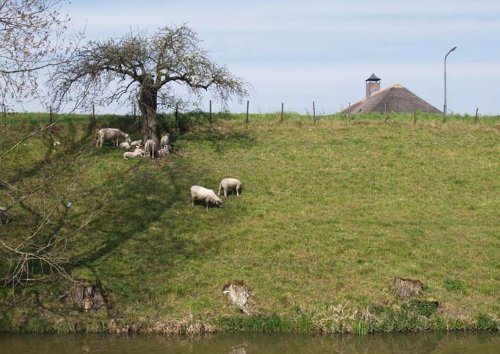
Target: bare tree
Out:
[148,65]
[31,38]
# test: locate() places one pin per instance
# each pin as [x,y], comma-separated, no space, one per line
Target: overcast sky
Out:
[298,51]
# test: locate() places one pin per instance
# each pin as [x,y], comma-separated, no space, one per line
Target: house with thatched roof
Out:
[395,98]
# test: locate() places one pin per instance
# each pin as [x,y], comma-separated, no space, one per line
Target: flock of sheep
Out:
[152,149]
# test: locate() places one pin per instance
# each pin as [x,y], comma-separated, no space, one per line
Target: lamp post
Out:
[445,57]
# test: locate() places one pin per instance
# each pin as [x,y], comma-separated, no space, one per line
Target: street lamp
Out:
[446,56]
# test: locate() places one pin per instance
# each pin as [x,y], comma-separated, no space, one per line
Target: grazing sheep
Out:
[112,134]
[125,145]
[208,196]
[4,216]
[56,143]
[230,184]
[136,143]
[150,146]
[130,154]
[165,141]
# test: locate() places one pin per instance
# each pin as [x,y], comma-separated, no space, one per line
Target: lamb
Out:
[199,193]
[130,154]
[162,152]
[125,145]
[112,134]
[136,143]
[229,184]
[150,146]
[165,141]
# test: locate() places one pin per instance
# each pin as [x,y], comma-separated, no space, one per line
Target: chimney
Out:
[372,85]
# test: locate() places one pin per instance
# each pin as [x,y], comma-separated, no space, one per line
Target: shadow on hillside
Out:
[134,212]
[44,164]
[130,202]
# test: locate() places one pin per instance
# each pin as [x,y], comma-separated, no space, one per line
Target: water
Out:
[476,343]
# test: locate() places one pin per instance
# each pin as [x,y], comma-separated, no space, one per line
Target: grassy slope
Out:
[329,215]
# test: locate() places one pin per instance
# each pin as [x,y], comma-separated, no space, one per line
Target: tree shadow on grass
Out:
[132,204]
[131,236]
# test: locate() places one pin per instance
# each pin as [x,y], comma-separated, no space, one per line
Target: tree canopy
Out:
[147,67]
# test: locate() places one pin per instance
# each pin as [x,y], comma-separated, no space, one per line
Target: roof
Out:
[395,98]
[373,77]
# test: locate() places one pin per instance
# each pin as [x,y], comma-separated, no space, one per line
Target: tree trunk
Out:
[148,104]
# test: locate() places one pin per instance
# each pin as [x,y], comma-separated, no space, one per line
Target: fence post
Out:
[50,115]
[314,113]
[414,117]
[93,114]
[177,117]
[248,108]
[210,112]
[476,116]
[282,105]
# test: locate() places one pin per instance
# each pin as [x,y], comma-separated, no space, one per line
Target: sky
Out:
[297,52]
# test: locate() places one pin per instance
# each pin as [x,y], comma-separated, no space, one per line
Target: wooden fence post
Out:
[93,114]
[314,113]
[248,108]
[177,117]
[414,117]
[50,115]
[476,116]
[210,112]
[282,105]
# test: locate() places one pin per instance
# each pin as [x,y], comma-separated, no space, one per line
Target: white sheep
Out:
[112,134]
[130,154]
[165,141]
[230,184]
[162,152]
[136,143]
[150,146]
[199,193]
[125,145]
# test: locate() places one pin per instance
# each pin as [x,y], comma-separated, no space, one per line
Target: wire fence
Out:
[179,120]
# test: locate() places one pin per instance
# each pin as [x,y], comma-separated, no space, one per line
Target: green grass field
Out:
[330,213]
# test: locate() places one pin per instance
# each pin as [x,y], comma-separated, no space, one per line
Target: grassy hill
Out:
[330,213]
